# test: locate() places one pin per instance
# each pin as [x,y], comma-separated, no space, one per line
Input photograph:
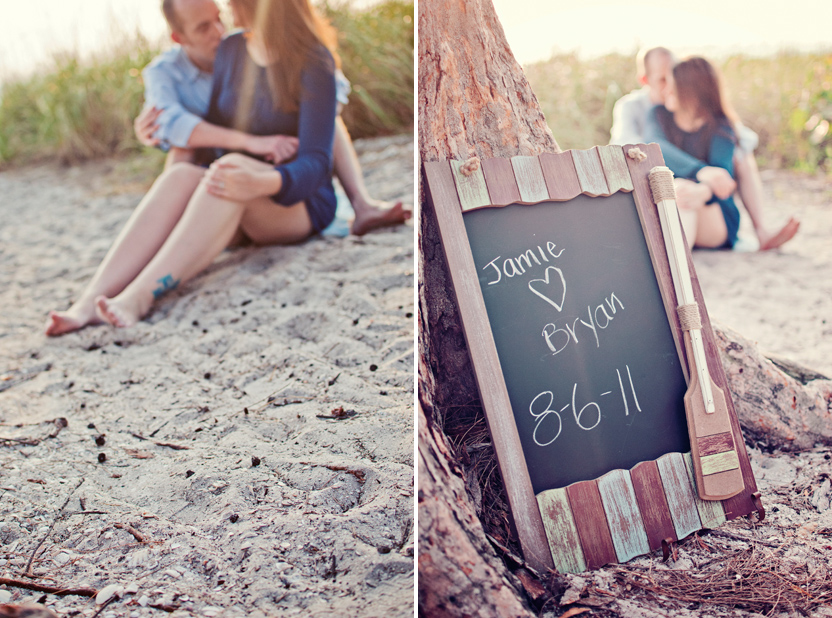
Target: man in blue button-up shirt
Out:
[177,92]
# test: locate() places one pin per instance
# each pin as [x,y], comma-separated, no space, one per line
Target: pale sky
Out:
[537,28]
[33,29]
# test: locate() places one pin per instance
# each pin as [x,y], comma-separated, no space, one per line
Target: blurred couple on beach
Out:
[251,122]
[682,107]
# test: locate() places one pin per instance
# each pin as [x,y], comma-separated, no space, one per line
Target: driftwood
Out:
[779,403]
[474,100]
[30,610]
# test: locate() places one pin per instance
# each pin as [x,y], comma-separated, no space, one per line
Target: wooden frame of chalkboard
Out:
[627,509]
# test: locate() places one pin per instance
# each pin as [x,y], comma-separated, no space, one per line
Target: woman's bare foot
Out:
[117,312]
[781,237]
[79,315]
[373,214]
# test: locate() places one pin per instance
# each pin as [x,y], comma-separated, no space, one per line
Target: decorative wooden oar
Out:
[715,461]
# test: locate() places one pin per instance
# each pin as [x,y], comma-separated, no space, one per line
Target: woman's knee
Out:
[240,160]
[182,171]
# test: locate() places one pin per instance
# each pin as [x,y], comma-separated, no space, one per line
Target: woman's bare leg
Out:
[750,188]
[267,223]
[690,221]
[139,240]
[704,224]
[206,227]
[711,230]
[704,227]
[370,213]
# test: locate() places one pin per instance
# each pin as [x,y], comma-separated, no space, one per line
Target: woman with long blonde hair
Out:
[274,77]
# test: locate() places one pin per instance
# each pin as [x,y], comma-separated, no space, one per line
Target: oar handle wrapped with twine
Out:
[689,317]
[664,196]
[663,188]
[661,184]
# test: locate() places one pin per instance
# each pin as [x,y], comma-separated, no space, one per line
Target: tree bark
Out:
[474,100]
[459,573]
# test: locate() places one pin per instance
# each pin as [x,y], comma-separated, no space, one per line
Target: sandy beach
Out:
[781,299]
[247,450]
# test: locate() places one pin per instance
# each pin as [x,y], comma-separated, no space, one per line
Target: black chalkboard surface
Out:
[591,368]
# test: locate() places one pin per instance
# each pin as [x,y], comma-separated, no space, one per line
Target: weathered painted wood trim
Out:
[711,513]
[559,522]
[623,516]
[500,180]
[652,503]
[591,522]
[471,188]
[679,493]
[590,173]
[530,179]
[560,175]
[615,168]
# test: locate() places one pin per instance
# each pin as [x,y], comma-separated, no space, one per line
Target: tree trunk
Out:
[474,100]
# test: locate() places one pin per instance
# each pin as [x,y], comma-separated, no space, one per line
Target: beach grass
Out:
[786,98]
[77,108]
[376,49]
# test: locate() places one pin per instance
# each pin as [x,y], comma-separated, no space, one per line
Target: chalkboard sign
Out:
[566,298]
[590,364]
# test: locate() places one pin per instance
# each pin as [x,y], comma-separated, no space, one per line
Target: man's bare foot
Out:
[781,237]
[115,312]
[375,214]
[76,317]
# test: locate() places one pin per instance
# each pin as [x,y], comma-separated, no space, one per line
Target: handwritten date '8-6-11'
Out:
[588,417]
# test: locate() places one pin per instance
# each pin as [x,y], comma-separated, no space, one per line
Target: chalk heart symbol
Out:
[550,287]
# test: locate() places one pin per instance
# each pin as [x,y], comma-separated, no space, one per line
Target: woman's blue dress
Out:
[308,177]
[716,149]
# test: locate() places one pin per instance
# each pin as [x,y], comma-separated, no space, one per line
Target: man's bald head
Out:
[197,27]
[653,67]
[649,57]
[171,17]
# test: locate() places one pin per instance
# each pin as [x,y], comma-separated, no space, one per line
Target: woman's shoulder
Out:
[658,111]
[724,134]
[232,43]
[726,127]
[231,50]
[321,58]
[659,115]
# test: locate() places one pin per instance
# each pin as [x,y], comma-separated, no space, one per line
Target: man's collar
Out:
[189,69]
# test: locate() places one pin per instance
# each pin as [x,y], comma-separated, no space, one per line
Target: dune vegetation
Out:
[76,109]
[785,98]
